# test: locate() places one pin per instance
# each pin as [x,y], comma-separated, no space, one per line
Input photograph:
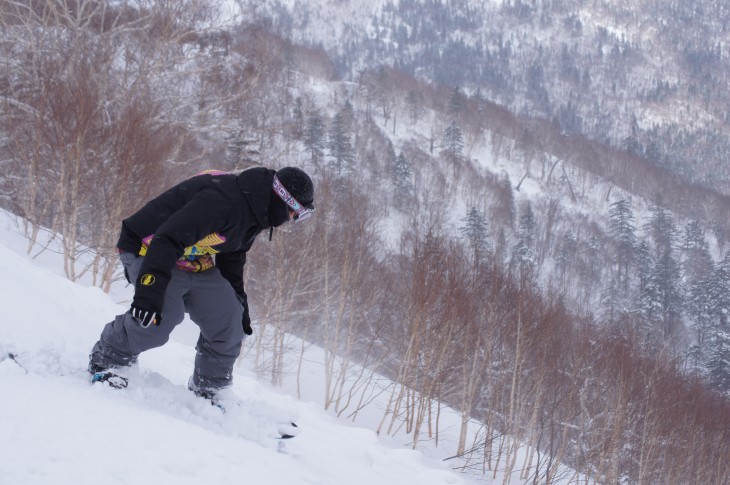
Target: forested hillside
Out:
[557,285]
[649,77]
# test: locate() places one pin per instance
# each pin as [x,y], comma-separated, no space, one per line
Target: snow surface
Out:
[57,428]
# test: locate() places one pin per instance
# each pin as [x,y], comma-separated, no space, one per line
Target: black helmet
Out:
[298,184]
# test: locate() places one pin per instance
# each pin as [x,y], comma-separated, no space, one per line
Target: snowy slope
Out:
[56,428]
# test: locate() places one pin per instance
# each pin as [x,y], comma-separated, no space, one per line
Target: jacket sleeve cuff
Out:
[149,291]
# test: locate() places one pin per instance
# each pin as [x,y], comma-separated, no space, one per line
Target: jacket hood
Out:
[257,187]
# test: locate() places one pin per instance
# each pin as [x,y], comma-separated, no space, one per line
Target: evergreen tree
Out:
[298,119]
[453,142]
[646,294]
[697,262]
[702,297]
[667,302]
[500,246]
[631,143]
[475,232]
[662,300]
[613,302]
[479,97]
[716,344]
[662,230]
[348,116]
[414,103]
[314,137]
[701,312]
[402,181]
[645,263]
[566,253]
[523,254]
[623,231]
[339,144]
[718,358]
[720,292]
[593,254]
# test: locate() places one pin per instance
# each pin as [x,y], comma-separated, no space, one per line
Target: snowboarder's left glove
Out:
[246,320]
[145,317]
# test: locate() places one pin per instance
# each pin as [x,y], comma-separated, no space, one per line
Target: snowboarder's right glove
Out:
[246,320]
[145,317]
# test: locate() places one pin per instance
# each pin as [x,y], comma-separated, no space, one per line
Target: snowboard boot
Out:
[106,376]
[207,394]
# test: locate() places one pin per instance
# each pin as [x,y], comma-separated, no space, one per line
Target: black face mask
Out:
[278,211]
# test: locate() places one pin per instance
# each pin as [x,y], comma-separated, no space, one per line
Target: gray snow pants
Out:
[212,305]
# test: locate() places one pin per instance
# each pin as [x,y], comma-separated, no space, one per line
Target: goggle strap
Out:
[289,200]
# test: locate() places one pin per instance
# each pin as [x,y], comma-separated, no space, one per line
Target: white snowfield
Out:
[56,428]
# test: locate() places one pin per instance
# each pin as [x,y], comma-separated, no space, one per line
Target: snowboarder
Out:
[184,251]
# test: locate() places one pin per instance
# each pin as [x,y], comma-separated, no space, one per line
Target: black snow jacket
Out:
[210,214]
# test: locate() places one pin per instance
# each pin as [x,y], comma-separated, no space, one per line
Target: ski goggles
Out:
[300,212]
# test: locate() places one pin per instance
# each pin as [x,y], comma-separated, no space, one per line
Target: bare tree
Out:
[84,93]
